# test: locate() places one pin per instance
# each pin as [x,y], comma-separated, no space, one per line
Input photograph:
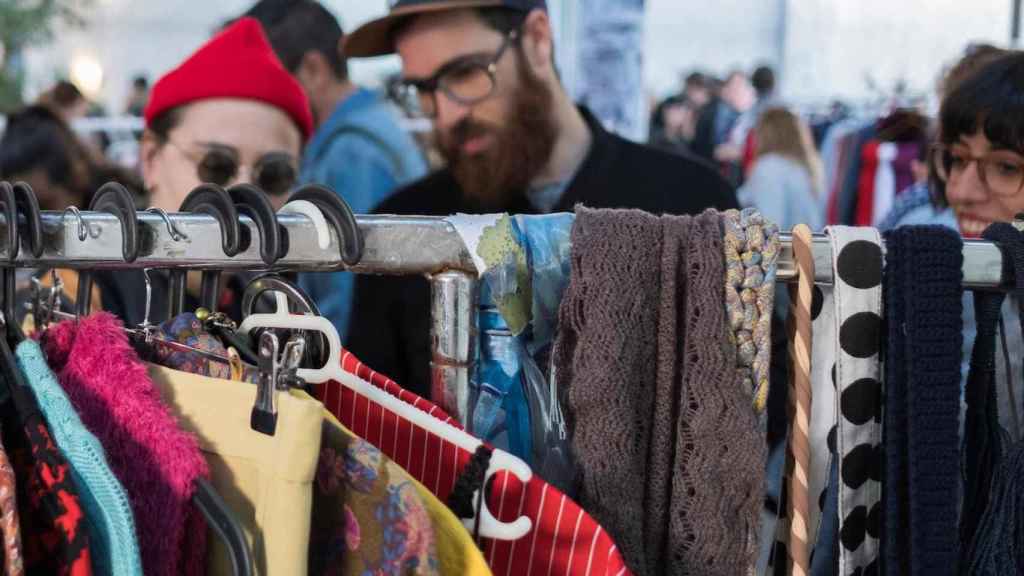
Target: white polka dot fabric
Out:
[822,435]
[857,300]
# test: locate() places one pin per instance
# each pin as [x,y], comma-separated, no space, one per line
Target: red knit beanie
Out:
[236,63]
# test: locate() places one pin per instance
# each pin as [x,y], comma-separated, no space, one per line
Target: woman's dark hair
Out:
[37,139]
[162,125]
[66,94]
[988,99]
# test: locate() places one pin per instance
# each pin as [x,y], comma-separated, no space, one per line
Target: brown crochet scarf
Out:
[670,457]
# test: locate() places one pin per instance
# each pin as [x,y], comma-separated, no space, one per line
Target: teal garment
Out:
[108,514]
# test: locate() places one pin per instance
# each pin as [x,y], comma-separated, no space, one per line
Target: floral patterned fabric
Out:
[187,329]
[52,519]
[368,517]
[10,527]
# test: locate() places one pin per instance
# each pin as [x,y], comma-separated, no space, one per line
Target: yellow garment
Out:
[456,551]
[267,481]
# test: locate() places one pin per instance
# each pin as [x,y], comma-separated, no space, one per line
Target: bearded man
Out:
[484,72]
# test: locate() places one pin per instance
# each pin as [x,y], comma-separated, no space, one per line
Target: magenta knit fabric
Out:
[156,461]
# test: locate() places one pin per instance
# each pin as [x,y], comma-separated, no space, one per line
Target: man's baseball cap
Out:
[375,38]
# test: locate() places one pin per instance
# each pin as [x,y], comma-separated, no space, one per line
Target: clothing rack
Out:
[393,245]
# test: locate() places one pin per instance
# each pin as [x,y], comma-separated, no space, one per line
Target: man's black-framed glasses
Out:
[467,80]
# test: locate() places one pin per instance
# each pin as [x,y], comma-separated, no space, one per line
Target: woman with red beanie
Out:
[229,114]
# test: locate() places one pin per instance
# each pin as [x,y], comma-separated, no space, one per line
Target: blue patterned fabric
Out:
[528,259]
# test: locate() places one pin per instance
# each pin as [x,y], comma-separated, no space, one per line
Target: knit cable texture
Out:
[156,461]
[108,511]
[751,258]
[670,456]
[923,289]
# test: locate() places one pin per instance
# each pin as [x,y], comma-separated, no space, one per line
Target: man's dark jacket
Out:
[390,330]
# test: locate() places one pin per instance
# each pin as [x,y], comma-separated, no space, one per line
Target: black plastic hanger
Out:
[341,217]
[29,214]
[252,202]
[214,201]
[9,198]
[115,199]
[224,524]
[11,376]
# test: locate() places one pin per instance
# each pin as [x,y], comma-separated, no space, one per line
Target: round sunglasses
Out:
[274,172]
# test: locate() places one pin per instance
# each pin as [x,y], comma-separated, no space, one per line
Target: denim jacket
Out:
[363,154]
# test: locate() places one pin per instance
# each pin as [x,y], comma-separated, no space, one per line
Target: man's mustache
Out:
[464,131]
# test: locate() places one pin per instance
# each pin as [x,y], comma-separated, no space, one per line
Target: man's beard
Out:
[498,176]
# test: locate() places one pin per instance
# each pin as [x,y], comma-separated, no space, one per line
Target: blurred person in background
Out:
[483,71]
[229,114]
[786,179]
[698,89]
[66,100]
[39,148]
[359,150]
[718,119]
[138,96]
[763,82]
[742,145]
[673,123]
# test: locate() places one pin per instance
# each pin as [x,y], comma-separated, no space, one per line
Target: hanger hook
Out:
[146,326]
[83,228]
[176,234]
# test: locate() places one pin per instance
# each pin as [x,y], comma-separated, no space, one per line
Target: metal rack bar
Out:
[983,262]
[396,245]
[393,245]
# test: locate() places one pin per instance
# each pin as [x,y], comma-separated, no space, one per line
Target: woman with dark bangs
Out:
[979,162]
[977,178]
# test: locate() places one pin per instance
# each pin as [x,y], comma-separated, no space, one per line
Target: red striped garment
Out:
[564,540]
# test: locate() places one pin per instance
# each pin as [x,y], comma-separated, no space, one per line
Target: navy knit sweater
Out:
[923,291]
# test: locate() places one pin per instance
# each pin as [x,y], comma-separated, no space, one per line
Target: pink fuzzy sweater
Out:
[153,458]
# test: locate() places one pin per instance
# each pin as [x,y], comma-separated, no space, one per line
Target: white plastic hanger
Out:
[490,527]
[309,210]
[323,233]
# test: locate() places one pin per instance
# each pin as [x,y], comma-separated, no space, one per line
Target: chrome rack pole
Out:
[393,245]
[983,262]
[453,336]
